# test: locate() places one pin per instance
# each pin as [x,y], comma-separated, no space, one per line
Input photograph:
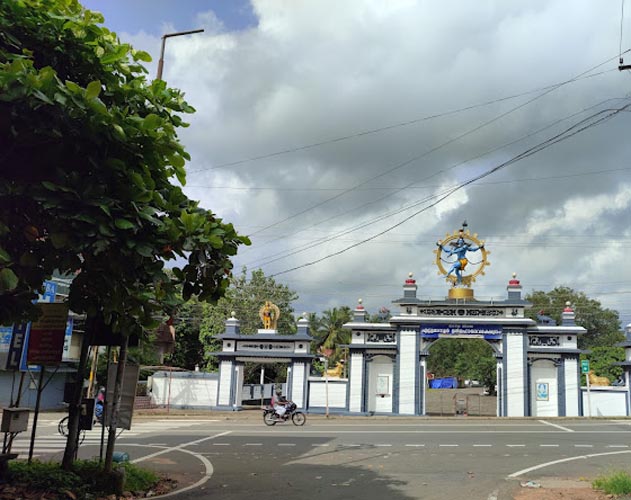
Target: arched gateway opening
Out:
[461,377]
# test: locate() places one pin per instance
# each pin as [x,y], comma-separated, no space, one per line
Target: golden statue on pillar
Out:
[453,251]
[269,315]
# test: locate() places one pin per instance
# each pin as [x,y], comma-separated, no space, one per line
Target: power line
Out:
[435,148]
[266,260]
[392,126]
[566,134]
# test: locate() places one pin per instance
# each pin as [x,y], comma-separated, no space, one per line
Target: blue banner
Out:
[487,332]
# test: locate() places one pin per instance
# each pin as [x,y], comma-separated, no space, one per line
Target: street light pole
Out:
[164,39]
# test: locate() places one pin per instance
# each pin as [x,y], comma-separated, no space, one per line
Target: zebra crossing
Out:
[48,441]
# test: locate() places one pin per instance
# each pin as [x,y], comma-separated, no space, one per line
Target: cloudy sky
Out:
[321,124]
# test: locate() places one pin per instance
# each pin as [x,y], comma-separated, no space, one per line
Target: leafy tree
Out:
[330,334]
[464,359]
[602,325]
[89,152]
[245,298]
[601,360]
[189,349]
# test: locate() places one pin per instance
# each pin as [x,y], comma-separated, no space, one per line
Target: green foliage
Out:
[463,358]
[245,298]
[616,483]
[328,332]
[189,349]
[601,361]
[137,478]
[602,325]
[85,480]
[89,154]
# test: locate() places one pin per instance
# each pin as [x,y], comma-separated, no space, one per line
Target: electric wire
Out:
[266,260]
[391,126]
[566,134]
[436,148]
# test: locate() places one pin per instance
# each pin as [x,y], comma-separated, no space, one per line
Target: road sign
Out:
[46,339]
[584,366]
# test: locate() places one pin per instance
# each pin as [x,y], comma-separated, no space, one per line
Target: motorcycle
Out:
[270,417]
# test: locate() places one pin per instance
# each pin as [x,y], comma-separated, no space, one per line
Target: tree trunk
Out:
[111,436]
[74,408]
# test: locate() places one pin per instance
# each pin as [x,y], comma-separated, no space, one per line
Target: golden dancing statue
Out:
[269,315]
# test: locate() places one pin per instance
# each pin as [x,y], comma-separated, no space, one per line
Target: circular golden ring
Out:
[472,238]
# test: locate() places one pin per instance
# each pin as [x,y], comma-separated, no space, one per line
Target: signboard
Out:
[487,332]
[584,365]
[263,346]
[6,333]
[543,391]
[46,339]
[128,394]
[16,347]
[50,290]
[67,339]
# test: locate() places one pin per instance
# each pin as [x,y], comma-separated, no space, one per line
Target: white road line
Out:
[516,445]
[448,445]
[617,446]
[482,445]
[383,445]
[286,444]
[557,426]
[563,460]
[583,446]
[549,445]
[221,444]
[253,444]
[179,447]
[415,445]
[320,445]
[351,445]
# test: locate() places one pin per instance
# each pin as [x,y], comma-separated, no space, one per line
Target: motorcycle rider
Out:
[280,404]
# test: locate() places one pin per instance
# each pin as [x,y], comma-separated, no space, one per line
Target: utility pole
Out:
[164,39]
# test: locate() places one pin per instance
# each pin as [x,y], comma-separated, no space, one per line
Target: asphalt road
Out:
[370,459]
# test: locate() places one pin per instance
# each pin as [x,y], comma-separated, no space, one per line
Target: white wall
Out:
[188,390]
[605,402]
[572,393]
[380,366]
[297,384]
[544,372]
[407,372]
[225,383]
[317,393]
[356,381]
[515,383]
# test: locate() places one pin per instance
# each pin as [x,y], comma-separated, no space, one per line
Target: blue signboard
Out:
[16,349]
[50,290]
[487,332]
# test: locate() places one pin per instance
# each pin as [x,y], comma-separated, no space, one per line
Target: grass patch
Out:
[86,480]
[616,483]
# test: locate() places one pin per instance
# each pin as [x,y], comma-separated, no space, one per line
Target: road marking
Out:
[415,445]
[320,445]
[382,445]
[482,445]
[583,446]
[286,444]
[617,446]
[557,426]
[448,445]
[207,475]
[563,460]
[221,444]
[549,445]
[179,447]
[253,444]
[516,445]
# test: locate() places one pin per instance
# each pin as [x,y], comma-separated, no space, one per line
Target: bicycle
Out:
[62,428]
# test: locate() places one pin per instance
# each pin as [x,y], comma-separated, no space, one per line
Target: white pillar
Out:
[408,372]
[356,382]
[572,390]
[298,384]
[515,357]
[226,377]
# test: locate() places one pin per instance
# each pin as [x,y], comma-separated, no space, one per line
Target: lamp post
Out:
[164,39]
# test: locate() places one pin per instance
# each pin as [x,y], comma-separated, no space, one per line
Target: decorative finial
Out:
[568,307]
[359,301]
[514,275]
[305,314]
[233,314]
[410,275]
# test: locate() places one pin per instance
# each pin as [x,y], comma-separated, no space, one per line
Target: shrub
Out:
[616,483]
